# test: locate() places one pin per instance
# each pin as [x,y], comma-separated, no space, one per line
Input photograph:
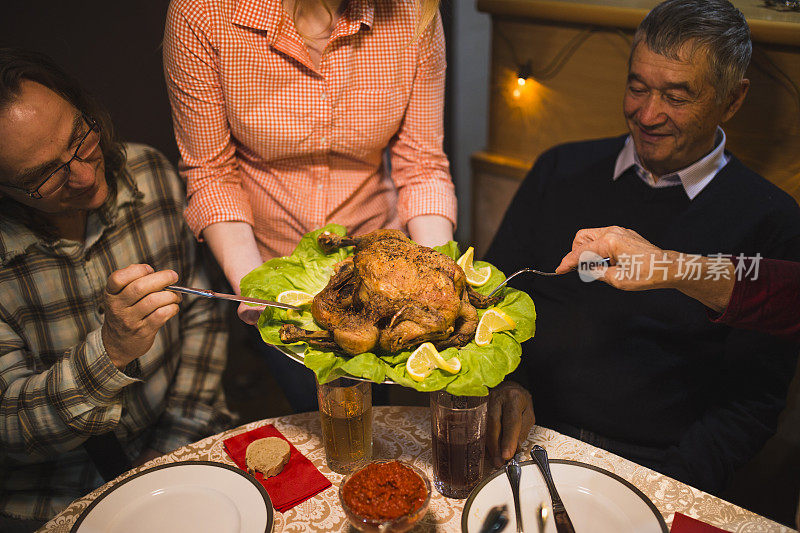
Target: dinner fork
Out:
[604,260]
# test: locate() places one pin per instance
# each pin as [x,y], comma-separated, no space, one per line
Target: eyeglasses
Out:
[56,179]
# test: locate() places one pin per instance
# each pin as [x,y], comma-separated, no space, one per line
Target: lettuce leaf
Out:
[308,269]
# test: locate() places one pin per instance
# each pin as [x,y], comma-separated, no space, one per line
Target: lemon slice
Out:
[298,298]
[419,365]
[492,321]
[452,365]
[475,276]
[294,297]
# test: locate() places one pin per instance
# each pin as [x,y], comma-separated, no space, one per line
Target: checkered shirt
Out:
[268,139]
[58,386]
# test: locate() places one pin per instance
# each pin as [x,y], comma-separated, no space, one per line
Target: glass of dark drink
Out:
[345,409]
[458,436]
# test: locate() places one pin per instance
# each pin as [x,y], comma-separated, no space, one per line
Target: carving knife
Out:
[232,297]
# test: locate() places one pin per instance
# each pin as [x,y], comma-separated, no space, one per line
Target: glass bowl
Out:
[393,525]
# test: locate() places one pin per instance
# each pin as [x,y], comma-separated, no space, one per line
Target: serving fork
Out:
[205,293]
[604,260]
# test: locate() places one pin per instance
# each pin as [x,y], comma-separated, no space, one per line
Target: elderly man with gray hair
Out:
[645,374]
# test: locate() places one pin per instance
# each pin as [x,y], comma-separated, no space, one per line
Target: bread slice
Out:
[267,456]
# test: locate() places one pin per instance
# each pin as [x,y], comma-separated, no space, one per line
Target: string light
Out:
[527,86]
[527,94]
[523,73]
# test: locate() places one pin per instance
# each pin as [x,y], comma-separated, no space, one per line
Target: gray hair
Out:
[714,25]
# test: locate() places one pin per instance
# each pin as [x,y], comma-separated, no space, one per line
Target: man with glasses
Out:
[31,182]
[100,367]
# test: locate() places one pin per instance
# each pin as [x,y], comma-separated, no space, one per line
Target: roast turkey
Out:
[390,295]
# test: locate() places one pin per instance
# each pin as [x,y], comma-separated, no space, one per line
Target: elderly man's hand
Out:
[510,419]
[632,258]
[136,306]
[639,265]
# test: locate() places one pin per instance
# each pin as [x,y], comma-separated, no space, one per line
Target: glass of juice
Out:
[458,436]
[345,409]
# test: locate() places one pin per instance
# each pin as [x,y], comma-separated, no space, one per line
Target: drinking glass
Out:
[345,408]
[458,436]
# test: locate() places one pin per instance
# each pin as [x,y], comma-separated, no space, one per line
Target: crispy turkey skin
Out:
[391,295]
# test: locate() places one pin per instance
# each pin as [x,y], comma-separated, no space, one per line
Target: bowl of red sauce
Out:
[385,496]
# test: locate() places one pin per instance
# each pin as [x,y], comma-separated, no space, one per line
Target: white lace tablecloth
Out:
[404,433]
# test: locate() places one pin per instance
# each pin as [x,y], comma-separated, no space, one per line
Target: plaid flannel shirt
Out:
[57,385]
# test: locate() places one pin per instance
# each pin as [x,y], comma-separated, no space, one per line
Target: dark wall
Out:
[113,48]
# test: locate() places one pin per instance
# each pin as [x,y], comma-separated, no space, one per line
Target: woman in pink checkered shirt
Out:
[291,115]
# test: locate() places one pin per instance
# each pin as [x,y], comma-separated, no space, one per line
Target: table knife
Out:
[560,516]
[211,294]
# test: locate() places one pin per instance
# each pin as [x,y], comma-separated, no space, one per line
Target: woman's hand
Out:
[249,313]
[234,246]
[430,230]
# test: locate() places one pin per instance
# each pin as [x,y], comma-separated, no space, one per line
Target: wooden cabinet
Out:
[582,48]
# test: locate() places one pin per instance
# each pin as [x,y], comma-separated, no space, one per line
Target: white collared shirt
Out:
[694,178]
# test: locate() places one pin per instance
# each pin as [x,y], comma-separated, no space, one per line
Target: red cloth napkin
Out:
[298,481]
[686,524]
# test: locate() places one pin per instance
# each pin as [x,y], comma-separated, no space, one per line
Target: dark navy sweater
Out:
[648,368]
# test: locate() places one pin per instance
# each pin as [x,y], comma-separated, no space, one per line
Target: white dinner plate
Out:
[182,497]
[597,500]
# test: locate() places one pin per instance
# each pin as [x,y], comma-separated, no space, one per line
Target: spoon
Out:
[560,516]
[514,472]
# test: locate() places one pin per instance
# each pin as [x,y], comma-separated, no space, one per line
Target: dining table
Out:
[404,433]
